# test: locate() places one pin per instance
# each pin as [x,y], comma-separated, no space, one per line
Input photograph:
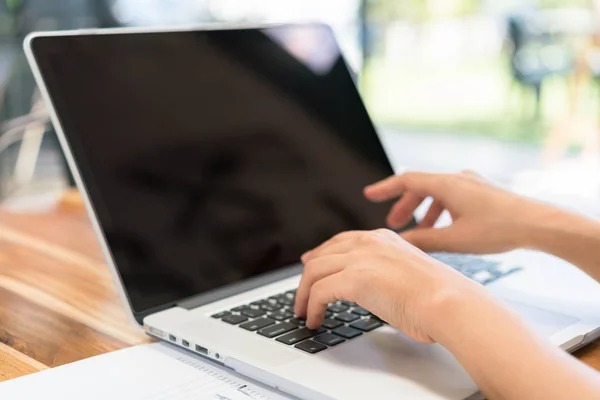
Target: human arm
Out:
[431,302]
[487,219]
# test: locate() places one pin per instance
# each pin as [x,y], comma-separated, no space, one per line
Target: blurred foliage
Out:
[475,98]
[564,3]
[419,10]
[8,8]
[423,10]
[13,4]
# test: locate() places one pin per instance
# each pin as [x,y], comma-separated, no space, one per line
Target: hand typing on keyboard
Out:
[430,298]
[383,274]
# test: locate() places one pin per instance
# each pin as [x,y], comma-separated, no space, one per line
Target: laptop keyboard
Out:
[477,268]
[274,318]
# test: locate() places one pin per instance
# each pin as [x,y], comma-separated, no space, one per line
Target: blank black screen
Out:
[215,156]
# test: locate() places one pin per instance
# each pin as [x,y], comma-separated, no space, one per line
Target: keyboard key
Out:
[504,269]
[311,347]
[328,314]
[513,270]
[267,306]
[349,303]
[376,318]
[257,303]
[291,292]
[453,260]
[281,315]
[347,332]
[329,339]
[240,308]
[289,295]
[285,301]
[298,321]
[347,317]
[478,264]
[277,329]
[220,314]
[482,276]
[257,324]
[360,311]
[367,325]
[252,312]
[331,323]
[234,319]
[299,335]
[337,308]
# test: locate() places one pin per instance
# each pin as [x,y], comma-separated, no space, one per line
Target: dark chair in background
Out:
[537,53]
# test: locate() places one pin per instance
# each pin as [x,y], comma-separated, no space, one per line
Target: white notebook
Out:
[155,371]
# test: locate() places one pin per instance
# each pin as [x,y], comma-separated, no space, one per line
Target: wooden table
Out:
[58,303]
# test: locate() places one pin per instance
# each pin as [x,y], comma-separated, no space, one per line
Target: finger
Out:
[470,173]
[332,288]
[433,214]
[339,248]
[421,183]
[402,212]
[346,244]
[337,238]
[477,177]
[314,271]
[431,239]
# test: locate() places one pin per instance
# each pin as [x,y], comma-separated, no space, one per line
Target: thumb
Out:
[432,239]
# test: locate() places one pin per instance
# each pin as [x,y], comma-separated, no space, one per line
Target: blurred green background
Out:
[475,92]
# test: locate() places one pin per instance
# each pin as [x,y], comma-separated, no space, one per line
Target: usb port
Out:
[156,332]
[202,350]
[172,338]
[185,343]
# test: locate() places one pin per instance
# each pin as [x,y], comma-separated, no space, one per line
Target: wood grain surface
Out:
[58,303]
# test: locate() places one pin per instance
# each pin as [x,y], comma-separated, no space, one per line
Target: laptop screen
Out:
[213,157]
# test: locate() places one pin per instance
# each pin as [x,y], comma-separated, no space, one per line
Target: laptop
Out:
[210,159]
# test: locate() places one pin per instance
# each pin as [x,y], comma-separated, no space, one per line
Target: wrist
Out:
[539,221]
[451,308]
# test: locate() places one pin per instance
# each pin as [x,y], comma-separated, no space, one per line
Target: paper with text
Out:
[147,372]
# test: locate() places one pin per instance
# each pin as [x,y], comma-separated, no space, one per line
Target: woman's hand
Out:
[384,274]
[431,302]
[485,218]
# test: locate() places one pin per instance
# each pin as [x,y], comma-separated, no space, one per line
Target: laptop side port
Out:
[202,350]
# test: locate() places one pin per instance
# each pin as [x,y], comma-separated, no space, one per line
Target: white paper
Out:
[146,372]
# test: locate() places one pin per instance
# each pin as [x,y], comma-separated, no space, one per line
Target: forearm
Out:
[566,235]
[505,358]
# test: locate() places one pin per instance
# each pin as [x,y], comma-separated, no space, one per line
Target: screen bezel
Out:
[32,41]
